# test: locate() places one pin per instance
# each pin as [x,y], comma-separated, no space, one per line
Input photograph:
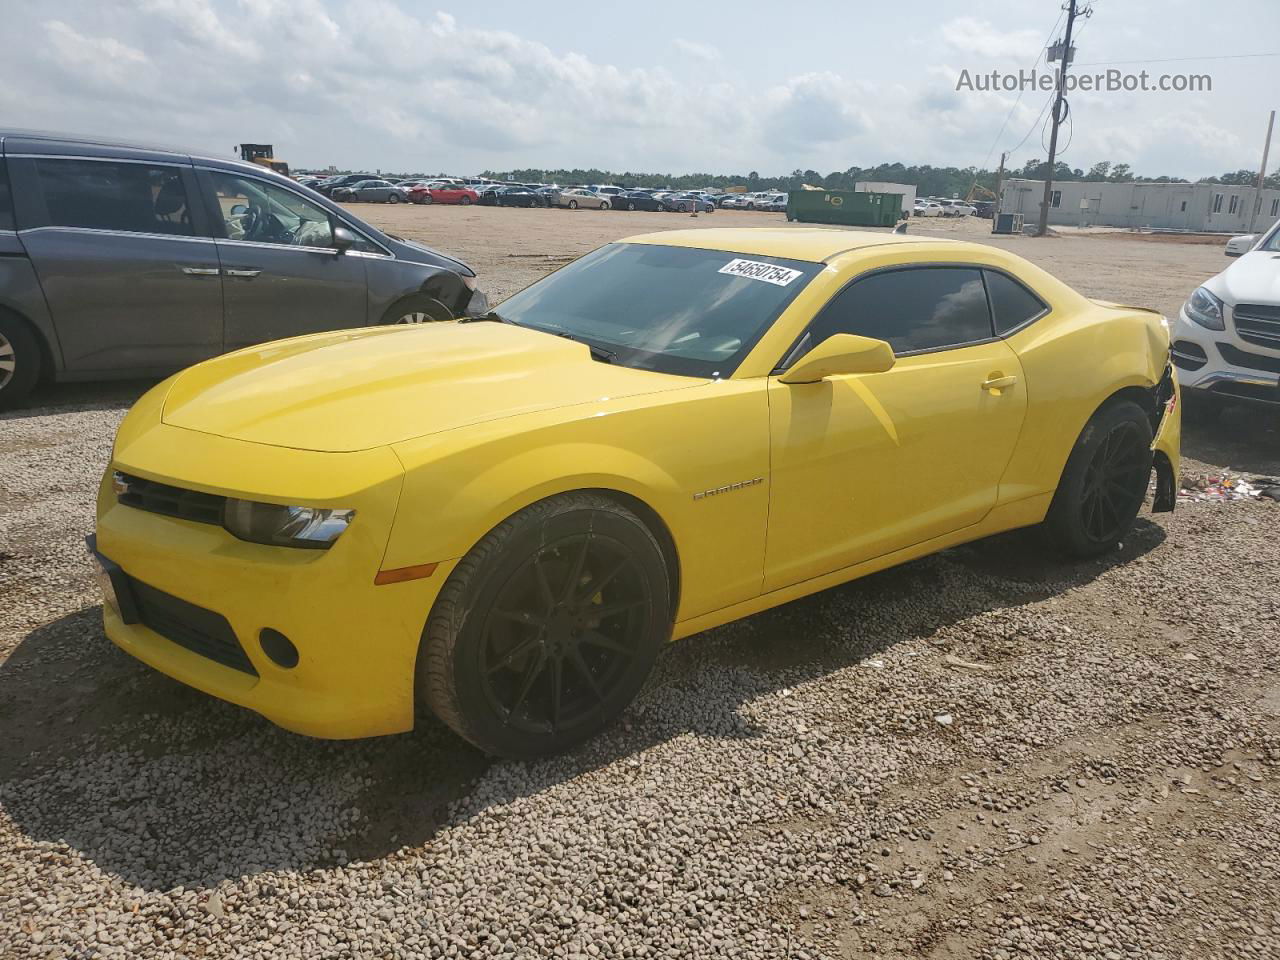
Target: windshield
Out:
[1272,243]
[675,310]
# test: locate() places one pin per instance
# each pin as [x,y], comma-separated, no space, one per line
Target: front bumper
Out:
[357,642]
[1218,363]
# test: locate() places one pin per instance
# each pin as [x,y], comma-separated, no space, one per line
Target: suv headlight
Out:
[1205,309]
[312,528]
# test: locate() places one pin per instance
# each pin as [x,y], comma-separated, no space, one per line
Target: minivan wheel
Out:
[546,630]
[19,361]
[1104,482]
[419,308]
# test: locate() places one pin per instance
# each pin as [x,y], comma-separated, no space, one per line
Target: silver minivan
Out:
[125,261]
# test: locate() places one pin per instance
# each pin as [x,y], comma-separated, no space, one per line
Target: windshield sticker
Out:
[755,270]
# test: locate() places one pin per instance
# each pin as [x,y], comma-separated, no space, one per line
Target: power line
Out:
[1039,54]
[1224,56]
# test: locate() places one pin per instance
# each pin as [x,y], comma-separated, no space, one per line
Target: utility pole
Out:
[1262,172]
[1058,100]
[999,181]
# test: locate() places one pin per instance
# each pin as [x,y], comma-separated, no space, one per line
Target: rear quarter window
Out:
[1012,304]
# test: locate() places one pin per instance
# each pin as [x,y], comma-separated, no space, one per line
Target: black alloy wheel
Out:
[1115,482]
[1104,482]
[547,629]
[562,633]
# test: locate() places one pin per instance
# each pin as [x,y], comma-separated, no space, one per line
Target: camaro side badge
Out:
[727,488]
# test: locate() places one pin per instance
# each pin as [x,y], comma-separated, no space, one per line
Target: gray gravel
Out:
[1107,784]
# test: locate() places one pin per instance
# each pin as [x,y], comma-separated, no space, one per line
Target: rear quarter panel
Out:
[21,293]
[1074,359]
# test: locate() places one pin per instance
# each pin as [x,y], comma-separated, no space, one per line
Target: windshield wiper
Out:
[597,353]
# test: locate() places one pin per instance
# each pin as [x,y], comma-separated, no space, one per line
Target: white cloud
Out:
[699,51]
[394,85]
[978,38]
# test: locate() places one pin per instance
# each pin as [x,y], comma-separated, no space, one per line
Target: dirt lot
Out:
[982,754]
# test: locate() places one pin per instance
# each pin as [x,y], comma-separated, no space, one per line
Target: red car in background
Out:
[443,193]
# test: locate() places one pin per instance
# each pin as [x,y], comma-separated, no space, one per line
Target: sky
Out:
[665,86]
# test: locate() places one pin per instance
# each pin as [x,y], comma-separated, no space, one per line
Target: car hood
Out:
[1254,278]
[359,389]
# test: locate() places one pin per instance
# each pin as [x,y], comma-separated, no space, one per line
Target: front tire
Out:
[418,308]
[20,361]
[547,629]
[1104,482]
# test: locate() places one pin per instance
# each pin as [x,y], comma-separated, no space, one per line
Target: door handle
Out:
[247,274]
[200,271]
[998,383]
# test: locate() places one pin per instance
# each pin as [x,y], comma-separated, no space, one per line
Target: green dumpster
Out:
[853,209]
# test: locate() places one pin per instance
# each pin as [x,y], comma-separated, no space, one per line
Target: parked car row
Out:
[942,207]
[352,188]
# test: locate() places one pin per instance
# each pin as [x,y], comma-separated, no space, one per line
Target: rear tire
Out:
[1104,482]
[20,361]
[523,654]
[394,197]
[604,204]
[573,204]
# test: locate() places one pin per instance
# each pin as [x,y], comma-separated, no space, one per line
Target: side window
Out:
[6,199]
[1012,304]
[259,212]
[917,309]
[112,195]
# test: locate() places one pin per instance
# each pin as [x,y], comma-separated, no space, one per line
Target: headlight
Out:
[312,528]
[1205,309]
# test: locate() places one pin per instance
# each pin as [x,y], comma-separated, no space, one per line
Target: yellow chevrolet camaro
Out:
[502,520]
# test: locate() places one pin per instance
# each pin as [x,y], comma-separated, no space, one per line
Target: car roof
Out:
[813,244]
[63,143]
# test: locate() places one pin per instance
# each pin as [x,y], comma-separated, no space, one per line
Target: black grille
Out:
[1243,358]
[171,501]
[1188,355]
[190,627]
[1258,323]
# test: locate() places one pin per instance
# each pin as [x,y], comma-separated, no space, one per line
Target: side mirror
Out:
[239,209]
[1239,246]
[343,239]
[840,354]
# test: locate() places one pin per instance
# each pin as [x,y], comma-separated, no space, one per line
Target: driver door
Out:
[281,277]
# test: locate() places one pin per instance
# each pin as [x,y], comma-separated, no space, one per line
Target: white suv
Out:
[1226,340]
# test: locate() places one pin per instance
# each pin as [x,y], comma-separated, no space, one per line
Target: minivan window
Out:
[259,212]
[916,309]
[114,195]
[6,199]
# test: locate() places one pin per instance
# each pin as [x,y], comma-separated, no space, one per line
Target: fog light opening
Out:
[279,648]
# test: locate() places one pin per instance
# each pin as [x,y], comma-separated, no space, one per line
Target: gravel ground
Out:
[985,753]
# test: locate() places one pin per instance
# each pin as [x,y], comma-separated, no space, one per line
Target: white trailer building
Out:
[907,190]
[1195,207]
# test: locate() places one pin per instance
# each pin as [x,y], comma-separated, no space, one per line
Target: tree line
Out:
[928,180]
